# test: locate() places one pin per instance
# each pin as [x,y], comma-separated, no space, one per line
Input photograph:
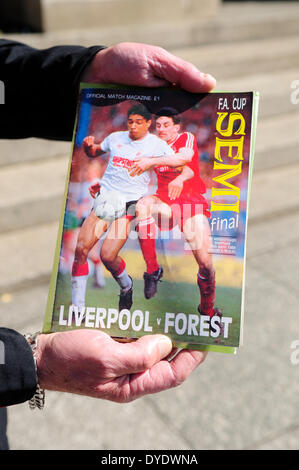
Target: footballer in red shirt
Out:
[179,200]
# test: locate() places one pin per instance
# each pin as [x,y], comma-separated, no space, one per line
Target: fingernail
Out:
[165,346]
[209,77]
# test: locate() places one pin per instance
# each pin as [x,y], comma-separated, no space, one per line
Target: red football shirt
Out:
[166,174]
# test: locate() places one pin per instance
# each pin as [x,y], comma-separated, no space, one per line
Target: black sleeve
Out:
[18,380]
[41,88]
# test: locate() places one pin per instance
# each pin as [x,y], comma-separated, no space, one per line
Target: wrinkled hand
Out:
[88,362]
[94,190]
[139,166]
[145,65]
[175,188]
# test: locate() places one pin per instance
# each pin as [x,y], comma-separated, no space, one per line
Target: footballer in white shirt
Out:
[125,148]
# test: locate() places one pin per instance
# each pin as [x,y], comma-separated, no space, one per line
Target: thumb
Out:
[140,355]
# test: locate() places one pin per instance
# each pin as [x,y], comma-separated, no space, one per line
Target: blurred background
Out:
[247,401]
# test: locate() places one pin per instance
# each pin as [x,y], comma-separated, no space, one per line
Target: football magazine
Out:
[152,236]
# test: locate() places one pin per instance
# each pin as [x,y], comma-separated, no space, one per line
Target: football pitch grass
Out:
[171,297]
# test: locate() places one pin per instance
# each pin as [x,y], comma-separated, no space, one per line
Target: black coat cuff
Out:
[41,89]
[18,379]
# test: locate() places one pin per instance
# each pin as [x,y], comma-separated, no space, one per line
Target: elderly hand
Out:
[144,65]
[90,363]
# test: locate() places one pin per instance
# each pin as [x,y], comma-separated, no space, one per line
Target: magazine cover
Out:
[153,232]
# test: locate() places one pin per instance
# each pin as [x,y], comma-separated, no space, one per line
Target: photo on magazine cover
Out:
[153,234]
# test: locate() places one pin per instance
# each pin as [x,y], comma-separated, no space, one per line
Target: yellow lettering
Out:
[234,171]
[228,148]
[215,206]
[230,190]
[232,118]
[230,144]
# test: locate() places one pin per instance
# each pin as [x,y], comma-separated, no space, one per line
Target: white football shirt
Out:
[123,151]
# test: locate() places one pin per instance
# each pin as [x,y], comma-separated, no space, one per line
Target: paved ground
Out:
[247,401]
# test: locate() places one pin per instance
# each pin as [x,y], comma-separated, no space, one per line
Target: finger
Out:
[140,355]
[160,377]
[184,74]
[165,375]
[176,193]
[88,140]
[133,168]
[173,193]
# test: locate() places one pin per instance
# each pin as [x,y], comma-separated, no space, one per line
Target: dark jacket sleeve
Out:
[41,88]
[18,378]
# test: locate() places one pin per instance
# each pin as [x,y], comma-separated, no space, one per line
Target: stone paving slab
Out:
[282,267]
[28,256]
[277,132]
[275,233]
[223,59]
[274,88]
[74,14]
[27,182]
[24,150]
[270,85]
[274,192]
[238,59]
[275,158]
[74,422]
[32,193]
[281,440]
[236,22]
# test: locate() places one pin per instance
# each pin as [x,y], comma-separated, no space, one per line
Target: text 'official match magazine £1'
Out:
[152,236]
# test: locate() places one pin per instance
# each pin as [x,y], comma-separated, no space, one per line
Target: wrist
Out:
[38,399]
[95,71]
[180,179]
[157,161]
[43,368]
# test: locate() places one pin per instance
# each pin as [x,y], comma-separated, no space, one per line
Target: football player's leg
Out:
[146,229]
[90,232]
[197,232]
[147,208]
[94,257]
[116,238]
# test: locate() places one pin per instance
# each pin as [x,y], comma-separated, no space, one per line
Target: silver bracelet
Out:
[38,399]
